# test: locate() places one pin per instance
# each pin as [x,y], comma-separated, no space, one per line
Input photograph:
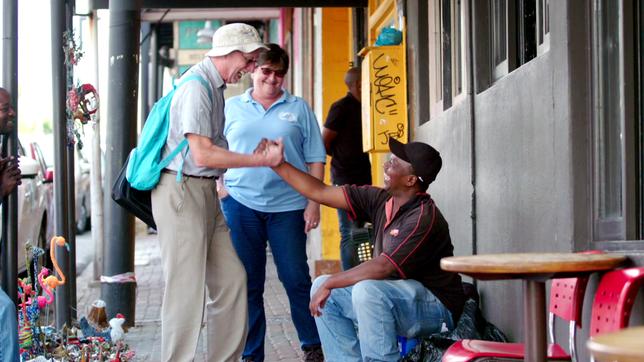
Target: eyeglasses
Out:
[249,60]
[278,73]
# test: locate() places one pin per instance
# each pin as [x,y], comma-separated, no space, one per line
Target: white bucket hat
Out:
[236,36]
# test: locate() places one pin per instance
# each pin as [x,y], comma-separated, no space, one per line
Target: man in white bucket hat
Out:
[199,261]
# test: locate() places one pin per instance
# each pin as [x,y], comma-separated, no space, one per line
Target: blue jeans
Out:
[352,233]
[361,322]
[250,230]
[9,329]
[347,249]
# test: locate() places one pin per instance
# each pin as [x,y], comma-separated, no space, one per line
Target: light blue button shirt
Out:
[247,122]
[193,111]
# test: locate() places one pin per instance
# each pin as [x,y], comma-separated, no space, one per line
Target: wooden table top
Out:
[626,345]
[528,265]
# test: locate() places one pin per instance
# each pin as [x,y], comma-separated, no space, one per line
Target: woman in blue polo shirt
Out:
[261,207]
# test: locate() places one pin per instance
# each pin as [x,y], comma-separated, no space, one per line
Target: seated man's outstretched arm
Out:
[311,187]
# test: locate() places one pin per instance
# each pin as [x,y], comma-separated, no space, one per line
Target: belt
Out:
[172,172]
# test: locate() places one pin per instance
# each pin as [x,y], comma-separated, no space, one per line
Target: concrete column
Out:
[61,188]
[121,138]
[10,148]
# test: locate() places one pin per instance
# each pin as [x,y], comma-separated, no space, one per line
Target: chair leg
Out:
[572,341]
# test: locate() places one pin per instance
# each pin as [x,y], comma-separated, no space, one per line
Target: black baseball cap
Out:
[424,159]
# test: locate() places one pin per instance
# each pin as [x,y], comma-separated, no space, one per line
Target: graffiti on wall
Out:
[384,99]
[384,86]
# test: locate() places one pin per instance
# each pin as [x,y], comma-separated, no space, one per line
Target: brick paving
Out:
[145,337]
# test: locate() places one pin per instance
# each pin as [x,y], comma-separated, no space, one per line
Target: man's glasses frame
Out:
[249,60]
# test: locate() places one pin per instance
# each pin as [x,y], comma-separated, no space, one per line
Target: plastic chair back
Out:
[614,299]
[566,302]
[567,296]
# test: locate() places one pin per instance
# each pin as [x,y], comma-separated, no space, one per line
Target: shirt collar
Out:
[416,200]
[285,97]
[212,73]
[350,96]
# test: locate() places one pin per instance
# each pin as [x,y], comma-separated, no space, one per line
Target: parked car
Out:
[82,182]
[32,209]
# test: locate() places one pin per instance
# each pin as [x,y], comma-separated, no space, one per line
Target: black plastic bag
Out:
[471,325]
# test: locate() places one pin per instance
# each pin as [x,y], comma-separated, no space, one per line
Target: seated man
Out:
[402,290]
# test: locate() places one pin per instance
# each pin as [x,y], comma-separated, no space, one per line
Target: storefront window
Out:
[498,22]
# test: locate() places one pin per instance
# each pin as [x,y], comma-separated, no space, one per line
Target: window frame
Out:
[543,26]
[459,17]
[499,70]
[609,228]
[435,57]
[446,24]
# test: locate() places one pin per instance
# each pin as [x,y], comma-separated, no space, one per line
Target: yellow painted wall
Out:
[336,55]
[381,13]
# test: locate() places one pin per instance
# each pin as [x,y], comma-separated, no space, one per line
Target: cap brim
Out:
[398,149]
[244,48]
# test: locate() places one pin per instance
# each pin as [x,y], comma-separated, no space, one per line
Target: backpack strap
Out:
[203,82]
[184,143]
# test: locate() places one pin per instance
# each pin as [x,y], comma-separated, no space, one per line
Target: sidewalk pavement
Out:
[145,337]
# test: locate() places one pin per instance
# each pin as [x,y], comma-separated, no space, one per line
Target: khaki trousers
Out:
[200,266]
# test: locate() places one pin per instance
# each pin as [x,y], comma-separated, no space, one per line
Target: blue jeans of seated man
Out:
[361,322]
[250,230]
[9,329]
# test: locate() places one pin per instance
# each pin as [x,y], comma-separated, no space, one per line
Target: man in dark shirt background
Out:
[402,291]
[342,135]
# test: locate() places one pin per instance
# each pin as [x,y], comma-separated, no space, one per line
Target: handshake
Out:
[271,152]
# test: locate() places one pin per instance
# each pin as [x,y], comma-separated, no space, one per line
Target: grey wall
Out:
[516,156]
[522,162]
[452,190]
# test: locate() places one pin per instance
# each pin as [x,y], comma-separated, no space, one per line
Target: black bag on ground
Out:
[136,202]
[471,325]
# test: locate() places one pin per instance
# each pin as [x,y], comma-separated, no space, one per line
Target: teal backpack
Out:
[145,163]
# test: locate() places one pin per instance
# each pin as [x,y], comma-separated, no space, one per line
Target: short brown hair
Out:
[275,55]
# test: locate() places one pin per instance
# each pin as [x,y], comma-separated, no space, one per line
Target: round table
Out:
[534,269]
[626,345]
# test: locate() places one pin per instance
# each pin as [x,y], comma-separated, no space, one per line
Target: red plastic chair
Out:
[566,302]
[614,300]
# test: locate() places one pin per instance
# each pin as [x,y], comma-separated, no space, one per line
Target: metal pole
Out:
[145,72]
[70,176]
[10,204]
[59,84]
[153,88]
[120,297]
[534,320]
[96,188]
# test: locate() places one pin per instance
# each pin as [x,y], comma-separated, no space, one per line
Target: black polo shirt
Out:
[414,240]
[349,164]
